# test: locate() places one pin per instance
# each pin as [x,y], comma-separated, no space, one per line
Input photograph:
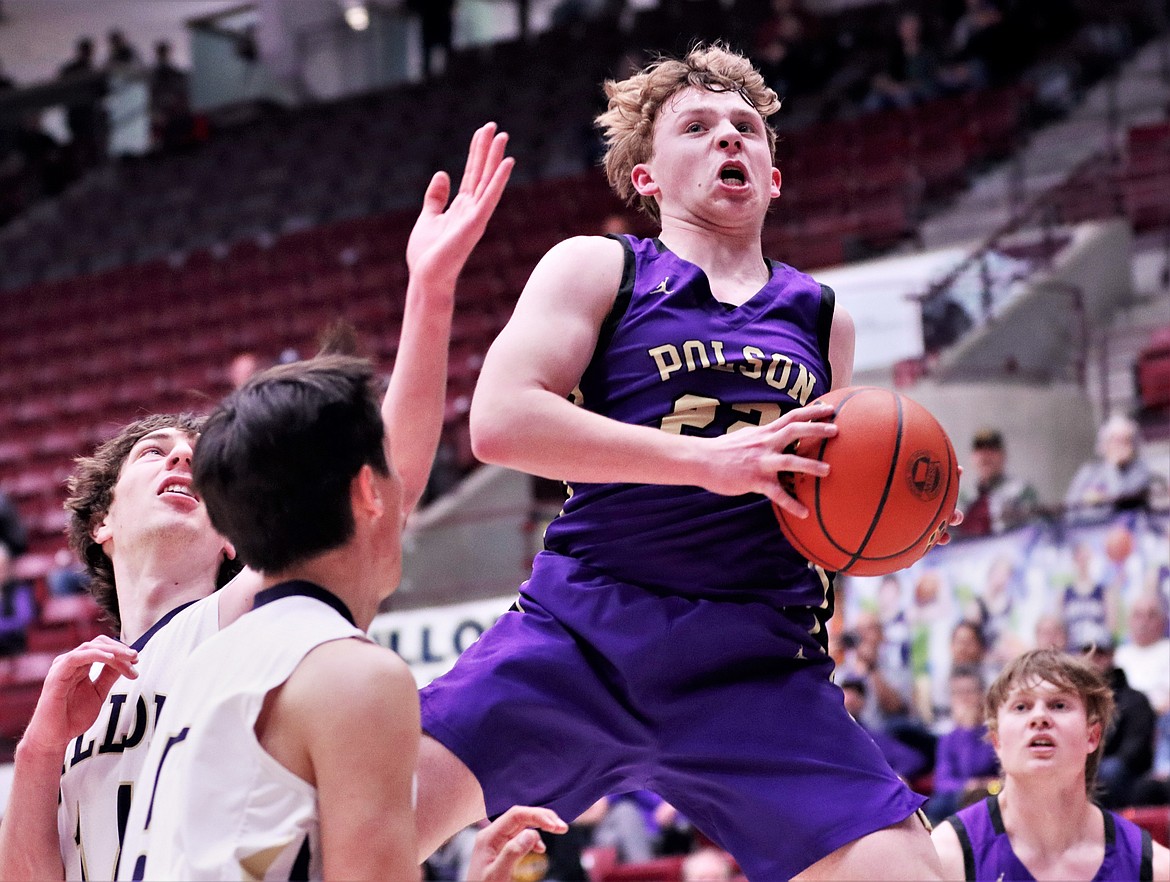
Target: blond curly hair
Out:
[628,122]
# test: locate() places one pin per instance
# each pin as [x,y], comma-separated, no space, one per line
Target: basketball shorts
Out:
[725,708]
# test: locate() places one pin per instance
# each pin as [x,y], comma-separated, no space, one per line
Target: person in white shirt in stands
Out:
[1145,656]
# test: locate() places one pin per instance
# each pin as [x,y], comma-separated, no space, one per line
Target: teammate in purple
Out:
[669,638]
[1047,712]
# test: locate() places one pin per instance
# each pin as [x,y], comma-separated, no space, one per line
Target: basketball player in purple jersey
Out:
[1047,712]
[156,560]
[669,638]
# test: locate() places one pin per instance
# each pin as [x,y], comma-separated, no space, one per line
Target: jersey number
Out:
[698,412]
[140,863]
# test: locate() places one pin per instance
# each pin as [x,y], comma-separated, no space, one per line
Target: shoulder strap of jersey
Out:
[965,843]
[625,290]
[825,327]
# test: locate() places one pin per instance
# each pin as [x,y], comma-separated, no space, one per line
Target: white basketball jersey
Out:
[214,804]
[102,765]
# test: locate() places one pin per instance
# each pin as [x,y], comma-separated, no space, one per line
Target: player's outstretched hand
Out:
[70,700]
[501,844]
[750,460]
[444,235]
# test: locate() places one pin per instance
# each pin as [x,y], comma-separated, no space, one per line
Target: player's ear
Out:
[229,550]
[365,494]
[774,190]
[643,180]
[1094,735]
[101,532]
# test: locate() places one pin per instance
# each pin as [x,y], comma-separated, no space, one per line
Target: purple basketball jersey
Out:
[988,854]
[673,357]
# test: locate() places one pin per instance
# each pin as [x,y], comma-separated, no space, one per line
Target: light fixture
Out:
[357,16]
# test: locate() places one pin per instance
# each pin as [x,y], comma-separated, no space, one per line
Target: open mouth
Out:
[732,175]
[178,489]
[1042,741]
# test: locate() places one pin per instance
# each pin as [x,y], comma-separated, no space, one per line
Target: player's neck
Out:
[732,261]
[730,251]
[1047,817]
[148,590]
[342,574]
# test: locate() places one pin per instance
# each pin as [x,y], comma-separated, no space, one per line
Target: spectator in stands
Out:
[120,52]
[13,536]
[998,501]
[776,23]
[969,649]
[1046,713]
[707,865]
[791,61]
[965,762]
[17,599]
[436,26]
[629,825]
[241,367]
[170,111]
[885,672]
[1129,739]
[907,761]
[85,114]
[68,576]
[1153,788]
[1119,479]
[1051,632]
[641,825]
[1145,656]
[980,52]
[880,666]
[910,73]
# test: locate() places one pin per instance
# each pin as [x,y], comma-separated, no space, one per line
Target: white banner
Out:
[429,640]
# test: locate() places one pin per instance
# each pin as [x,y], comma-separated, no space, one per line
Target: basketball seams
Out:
[894,468]
[933,525]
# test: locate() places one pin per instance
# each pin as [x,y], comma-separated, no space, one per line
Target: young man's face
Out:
[154,501]
[989,462]
[711,162]
[1043,729]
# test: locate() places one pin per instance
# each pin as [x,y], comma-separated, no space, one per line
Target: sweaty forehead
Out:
[716,100]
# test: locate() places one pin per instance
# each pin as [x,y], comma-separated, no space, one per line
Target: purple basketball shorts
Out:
[725,708]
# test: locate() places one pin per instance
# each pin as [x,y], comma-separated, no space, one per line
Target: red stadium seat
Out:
[1155,818]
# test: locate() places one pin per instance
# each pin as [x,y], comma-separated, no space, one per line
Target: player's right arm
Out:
[521,416]
[361,754]
[69,704]
[950,852]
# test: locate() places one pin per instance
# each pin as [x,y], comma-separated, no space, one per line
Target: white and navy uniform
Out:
[214,804]
[102,765]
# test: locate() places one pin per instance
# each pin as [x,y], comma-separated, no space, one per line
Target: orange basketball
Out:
[890,492]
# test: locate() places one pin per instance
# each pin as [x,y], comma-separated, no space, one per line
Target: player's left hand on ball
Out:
[501,845]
